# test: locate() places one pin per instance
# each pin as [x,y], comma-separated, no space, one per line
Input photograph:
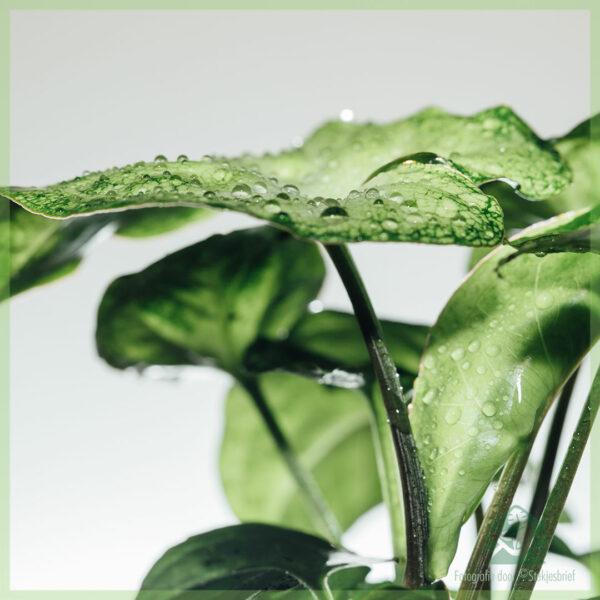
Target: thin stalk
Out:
[544,532]
[387,467]
[542,488]
[411,475]
[493,523]
[316,503]
[486,586]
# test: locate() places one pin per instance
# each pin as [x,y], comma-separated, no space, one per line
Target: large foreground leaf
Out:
[330,431]
[412,180]
[429,203]
[500,351]
[251,558]
[208,303]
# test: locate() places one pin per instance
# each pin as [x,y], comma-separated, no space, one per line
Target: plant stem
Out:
[544,532]
[316,503]
[542,488]
[493,523]
[411,475]
[387,467]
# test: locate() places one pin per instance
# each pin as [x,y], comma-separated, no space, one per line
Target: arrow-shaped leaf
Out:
[500,351]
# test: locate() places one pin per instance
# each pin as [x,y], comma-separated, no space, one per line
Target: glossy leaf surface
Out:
[330,432]
[315,191]
[429,203]
[208,303]
[498,354]
[250,558]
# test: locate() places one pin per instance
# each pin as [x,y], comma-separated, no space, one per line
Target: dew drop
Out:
[481,369]
[544,300]
[452,415]
[429,362]
[222,175]
[396,197]
[347,115]
[372,193]
[160,158]
[291,190]
[497,425]
[241,191]
[182,158]
[260,188]
[428,397]
[272,207]
[390,225]
[474,346]
[334,212]
[492,350]
[489,409]
[466,365]
[457,353]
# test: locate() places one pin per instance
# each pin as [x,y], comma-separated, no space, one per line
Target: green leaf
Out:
[146,222]
[208,303]
[330,431]
[250,558]
[329,347]
[492,144]
[500,351]
[436,205]
[576,233]
[422,175]
[42,250]
[581,149]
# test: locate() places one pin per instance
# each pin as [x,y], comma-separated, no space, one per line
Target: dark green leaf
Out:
[330,431]
[498,354]
[42,250]
[328,346]
[249,558]
[208,303]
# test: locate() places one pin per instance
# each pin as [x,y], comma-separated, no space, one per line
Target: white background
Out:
[108,470]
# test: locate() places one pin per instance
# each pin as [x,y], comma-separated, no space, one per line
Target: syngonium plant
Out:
[332,413]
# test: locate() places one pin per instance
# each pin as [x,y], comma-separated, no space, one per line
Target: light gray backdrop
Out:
[108,470]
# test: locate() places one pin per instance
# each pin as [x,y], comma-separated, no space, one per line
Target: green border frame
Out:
[6,6]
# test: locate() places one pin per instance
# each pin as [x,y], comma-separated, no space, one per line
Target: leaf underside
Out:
[500,351]
[315,191]
[208,303]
